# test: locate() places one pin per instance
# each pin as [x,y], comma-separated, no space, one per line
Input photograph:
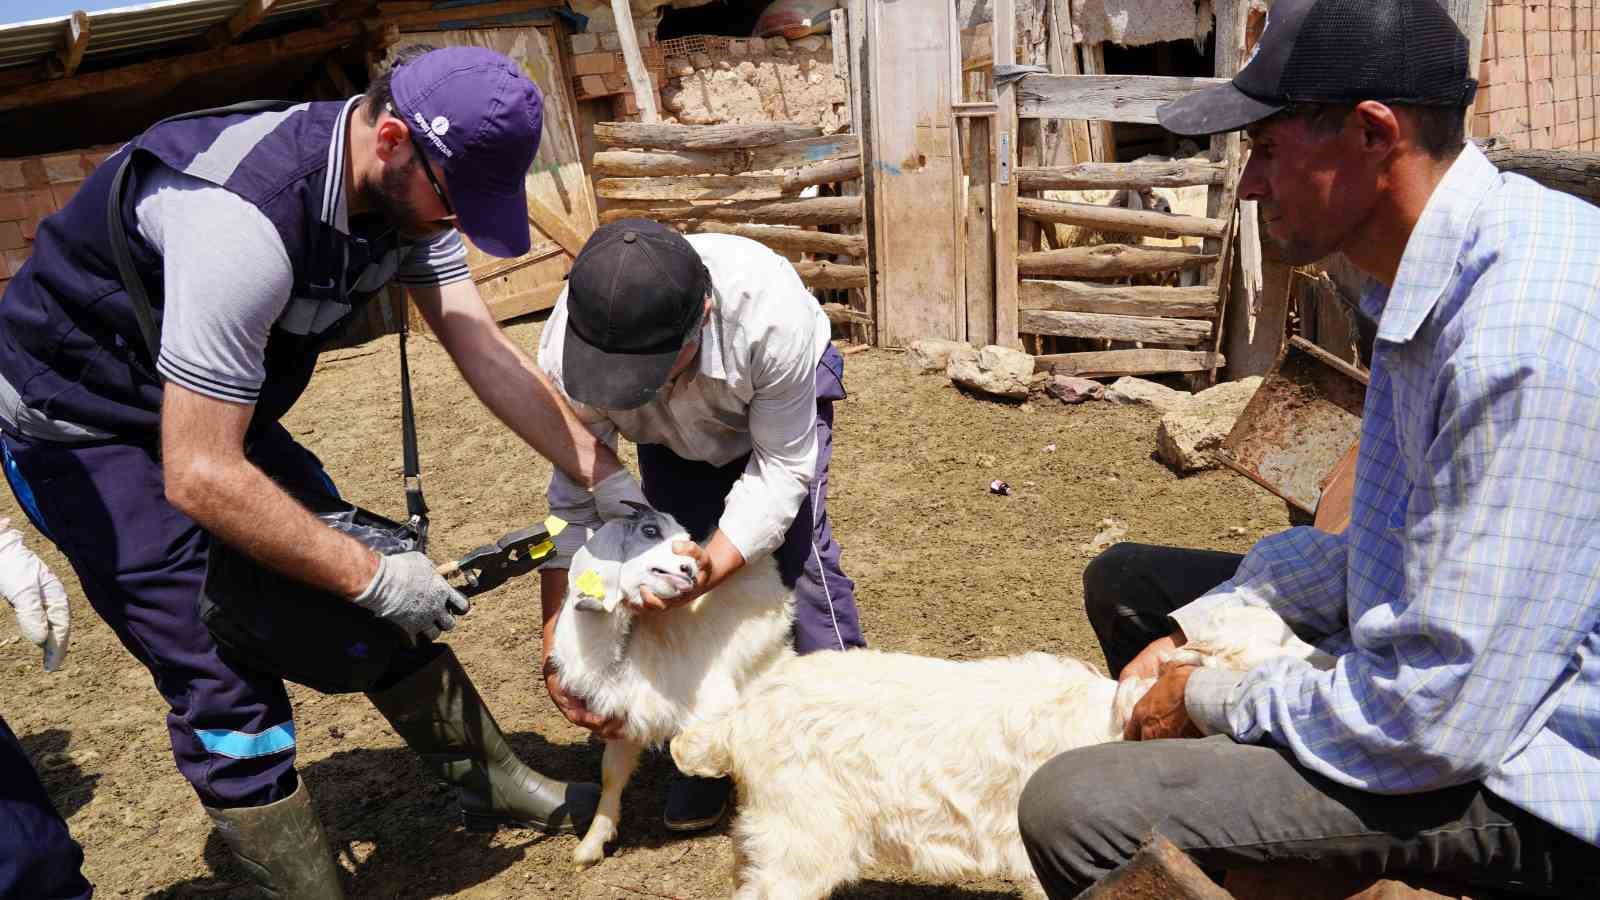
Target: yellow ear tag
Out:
[593,587]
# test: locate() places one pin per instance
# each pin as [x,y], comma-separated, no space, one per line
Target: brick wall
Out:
[600,72]
[30,189]
[1540,78]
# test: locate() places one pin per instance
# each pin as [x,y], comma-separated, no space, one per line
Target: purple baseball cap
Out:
[480,119]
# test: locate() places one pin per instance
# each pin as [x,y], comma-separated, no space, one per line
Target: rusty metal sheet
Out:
[1299,424]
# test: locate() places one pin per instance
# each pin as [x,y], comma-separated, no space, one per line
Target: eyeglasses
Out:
[427,169]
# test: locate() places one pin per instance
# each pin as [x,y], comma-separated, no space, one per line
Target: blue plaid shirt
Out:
[1463,601]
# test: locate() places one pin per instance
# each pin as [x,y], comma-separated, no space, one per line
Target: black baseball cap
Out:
[1407,52]
[635,294]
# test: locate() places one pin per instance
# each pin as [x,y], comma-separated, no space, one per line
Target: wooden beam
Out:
[1108,98]
[1567,171]
[1232,23]
[536,300]
[1119,176]
[181,68]
[425,18]
[70,56]
[552,223]
[249,16]
[1077,296]
[1005,138]
[1147,329]
[336,76]
[857,24]
[787,155]
[1127,221]
[834,171]
[839,314]
[792,239]
[1102,135]
[1117,363]
[1064,61]
[644,92]
[807,211]
[700,137]
[978,239]
[1111,261]
[827,275]
[693,187]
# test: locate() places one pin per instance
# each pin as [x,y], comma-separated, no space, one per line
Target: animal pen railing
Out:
[746,180]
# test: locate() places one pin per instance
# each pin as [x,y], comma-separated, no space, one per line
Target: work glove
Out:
[613,494]
[409,593]
[36,596]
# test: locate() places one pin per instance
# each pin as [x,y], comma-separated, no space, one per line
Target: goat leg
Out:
[616,768]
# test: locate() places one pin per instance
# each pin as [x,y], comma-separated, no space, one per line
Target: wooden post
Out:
[865,299]
[1004,137]
[77,40]
[1233,17]
[1102,136]
[638,76]
[1064,61]
[980,245]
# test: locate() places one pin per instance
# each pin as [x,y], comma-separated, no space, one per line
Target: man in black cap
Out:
[711,355]
[1456,737]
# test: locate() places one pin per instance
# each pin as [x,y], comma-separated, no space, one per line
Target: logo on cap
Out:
[433,131]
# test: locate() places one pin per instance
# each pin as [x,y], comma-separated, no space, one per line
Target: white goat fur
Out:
[659,672]
[848,760]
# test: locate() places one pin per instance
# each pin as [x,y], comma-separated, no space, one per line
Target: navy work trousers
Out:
[39,860]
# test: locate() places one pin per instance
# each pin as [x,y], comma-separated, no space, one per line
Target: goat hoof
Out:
[586,855]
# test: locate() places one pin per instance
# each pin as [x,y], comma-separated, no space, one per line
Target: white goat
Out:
[659,672]
[847,760]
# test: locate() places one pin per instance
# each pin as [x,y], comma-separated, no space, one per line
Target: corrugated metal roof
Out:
[131,29]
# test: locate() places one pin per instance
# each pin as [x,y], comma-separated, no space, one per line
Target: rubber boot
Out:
[440,715]
[281,847]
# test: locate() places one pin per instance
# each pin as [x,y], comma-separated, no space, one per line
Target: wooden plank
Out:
[693,187]
[1253,352]
[981,248]
[1111,261]
[1159,869]
[70,56]
[1127,221]
[1232,21]
[917,179]
[700,137]
[826,275]
[555,225]
[251,15]
[425,18]
[1102,135]
[1077,296]
[1567,171]
[792,239]
[644,93]
[1064,61]
[787,155]
[1005,139]
[799,211]
[175,70]
[1117,363]
[834,171]
[1117,328]
[537,300]
[1120,176]
[865,299]
[1107,98]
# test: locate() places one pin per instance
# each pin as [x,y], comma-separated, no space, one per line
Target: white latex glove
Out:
[409,592]
[36,596]
[613,494]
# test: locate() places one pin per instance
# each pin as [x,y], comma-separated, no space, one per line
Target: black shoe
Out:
[696,804]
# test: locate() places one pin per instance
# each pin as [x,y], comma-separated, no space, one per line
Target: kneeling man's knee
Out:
[1077,816]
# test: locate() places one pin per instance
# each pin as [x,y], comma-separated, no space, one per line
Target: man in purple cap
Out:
[1456,737]
[136,432]
[709,354]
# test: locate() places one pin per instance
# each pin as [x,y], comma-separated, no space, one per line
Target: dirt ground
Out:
[942,568]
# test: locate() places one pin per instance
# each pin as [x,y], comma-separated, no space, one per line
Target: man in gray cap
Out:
[1457,737]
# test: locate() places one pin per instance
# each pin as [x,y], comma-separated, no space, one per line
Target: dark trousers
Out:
[39,860]
[808,559]
[142,562]
[1232,805]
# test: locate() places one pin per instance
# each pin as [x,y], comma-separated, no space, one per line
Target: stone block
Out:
[1191,432]
[11,236]
[1131,391]
[810,44]
[594,64]
[932,354]
[997,371]
[585,43]
[11,177]
[1073,390]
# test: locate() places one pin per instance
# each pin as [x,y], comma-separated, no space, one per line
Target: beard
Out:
[391,199]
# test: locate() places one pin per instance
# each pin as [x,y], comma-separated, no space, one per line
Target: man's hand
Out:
[575,710]
[703,579]
[36,596]
[1148,663]
[1162,714]
[411,594]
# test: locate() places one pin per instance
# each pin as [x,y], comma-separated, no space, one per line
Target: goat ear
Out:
[638,508]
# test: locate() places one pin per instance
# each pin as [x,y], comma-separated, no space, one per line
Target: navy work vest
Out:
[73,361]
